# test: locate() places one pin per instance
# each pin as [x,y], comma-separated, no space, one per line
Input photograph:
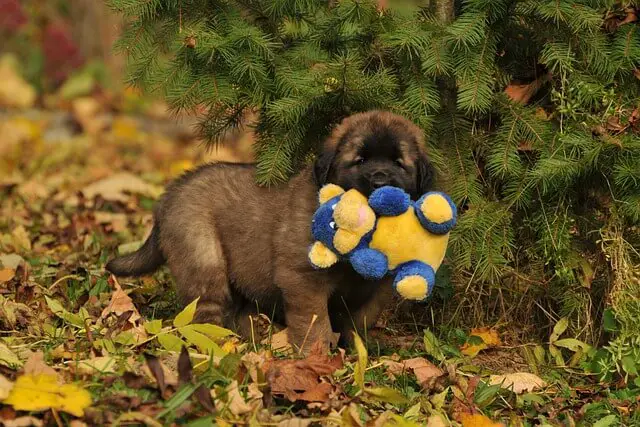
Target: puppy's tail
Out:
[145,260]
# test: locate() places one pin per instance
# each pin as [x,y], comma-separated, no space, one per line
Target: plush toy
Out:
[385,234]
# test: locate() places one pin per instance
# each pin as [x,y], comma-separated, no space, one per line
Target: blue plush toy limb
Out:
[434,227]
[369,263]
[417,269]
[389,201]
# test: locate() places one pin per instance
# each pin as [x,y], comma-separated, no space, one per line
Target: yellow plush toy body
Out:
[384,234]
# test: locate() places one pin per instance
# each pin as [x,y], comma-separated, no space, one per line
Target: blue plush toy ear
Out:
[369,263]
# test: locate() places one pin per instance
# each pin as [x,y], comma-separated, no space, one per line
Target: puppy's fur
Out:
[237,246]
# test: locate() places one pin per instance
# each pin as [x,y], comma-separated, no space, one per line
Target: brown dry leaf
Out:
[522,93]
[120,303]
[254,362]
[489,338]
[425,371]
[636,73]
[102,364]
[117,221]
[86,111]
[477,420]
[279,341]
[7,274]
[35,365]
[116,187]
[436,421]
[5,387]
[26,421]
[301,379]
[630,17]
[520,381]
[234,401]
[295,422]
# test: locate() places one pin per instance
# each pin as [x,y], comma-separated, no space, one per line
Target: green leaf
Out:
[609,420]
[387,394]
[153,327]
[539,353]
[559,329]
[555,353]
[432,345]
[186,315]
[170,342]
[59,311]
[178,398]
[571,344]
[629,365]
[204,343]
[609,321]
[361,364]
[212,331]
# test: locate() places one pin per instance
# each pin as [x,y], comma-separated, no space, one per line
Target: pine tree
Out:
[533,179]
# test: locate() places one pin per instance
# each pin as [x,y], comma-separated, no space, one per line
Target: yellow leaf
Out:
[361,365]
[177,168]
[153,326]
[489,339]
[186,315]
[387,394]
[42,392]
[6,274]
[204,343]
[477,420]
[212,331]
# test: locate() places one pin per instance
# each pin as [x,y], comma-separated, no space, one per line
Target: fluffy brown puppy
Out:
[243,248]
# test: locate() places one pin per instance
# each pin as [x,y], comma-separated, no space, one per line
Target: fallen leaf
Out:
[234,401]
[86,110]
[35,365]
[120,303]
[301,379]
[425,371]
[116,187]
[155,369]
[522,93]
[15,92]
[489,339]
[12,261]
[26,421]
[436,421]
[102,364]
[520,381]
[295,422]
[7,274]
[40,392]
[8,358]
[477,420]
[5,387]
[278,341]
[137,416]
[21,239]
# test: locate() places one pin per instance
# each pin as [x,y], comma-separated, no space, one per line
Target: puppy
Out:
[243,248]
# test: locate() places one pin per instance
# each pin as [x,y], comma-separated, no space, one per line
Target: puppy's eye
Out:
[359,160]
[332,225]
[398,162]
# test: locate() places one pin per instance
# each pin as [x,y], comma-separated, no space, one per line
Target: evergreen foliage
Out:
[533,180]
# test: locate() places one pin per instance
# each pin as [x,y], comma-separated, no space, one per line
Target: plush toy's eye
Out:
[332,225]
[333,207]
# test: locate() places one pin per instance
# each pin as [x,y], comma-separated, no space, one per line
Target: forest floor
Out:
[77,347]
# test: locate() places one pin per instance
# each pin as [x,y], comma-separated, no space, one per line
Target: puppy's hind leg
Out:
[200,269]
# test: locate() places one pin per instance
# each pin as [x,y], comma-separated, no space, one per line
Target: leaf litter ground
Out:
[79,347]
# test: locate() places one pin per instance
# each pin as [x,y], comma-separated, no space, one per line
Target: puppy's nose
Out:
[379,179]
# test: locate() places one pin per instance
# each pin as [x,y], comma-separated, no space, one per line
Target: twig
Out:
[313,320]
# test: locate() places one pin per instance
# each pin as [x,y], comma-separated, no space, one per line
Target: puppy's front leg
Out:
[306,298]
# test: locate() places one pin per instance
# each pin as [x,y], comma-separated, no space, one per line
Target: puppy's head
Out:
[373,149]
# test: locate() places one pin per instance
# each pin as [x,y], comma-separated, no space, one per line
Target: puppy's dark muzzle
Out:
[379,179]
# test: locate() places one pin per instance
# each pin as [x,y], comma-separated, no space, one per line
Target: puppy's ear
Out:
[322,167]
[425,174]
